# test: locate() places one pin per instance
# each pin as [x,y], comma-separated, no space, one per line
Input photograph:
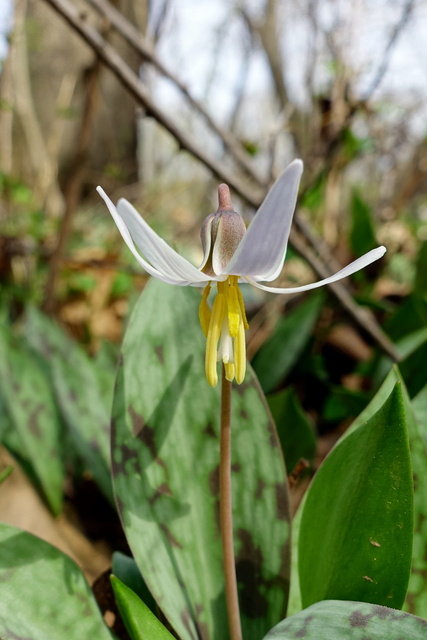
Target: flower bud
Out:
[221,234]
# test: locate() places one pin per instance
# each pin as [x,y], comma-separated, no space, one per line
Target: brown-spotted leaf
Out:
[35,430]
[165,453]
[43,593]
[83,391]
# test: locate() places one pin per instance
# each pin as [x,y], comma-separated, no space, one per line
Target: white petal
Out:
[160,268]
[358,264]
[128,239]
[262,249]
[158,252]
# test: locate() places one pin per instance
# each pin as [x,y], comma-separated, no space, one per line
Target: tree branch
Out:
[132,83]
[140,44]
[406,13]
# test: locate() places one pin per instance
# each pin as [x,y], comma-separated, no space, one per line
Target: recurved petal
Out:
[164,263]
[128,239]
[358,264]
[262,250]
[159,253]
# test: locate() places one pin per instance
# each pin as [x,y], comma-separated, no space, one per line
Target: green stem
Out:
[226,517]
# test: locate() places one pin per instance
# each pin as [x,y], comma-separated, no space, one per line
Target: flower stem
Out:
[226,517]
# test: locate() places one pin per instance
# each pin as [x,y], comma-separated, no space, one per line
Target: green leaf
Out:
[342,403]
[296,431]
[140,622]
[294,602]
[362,232]
[416,597]
[419,405]
[83,395]
[420,284]
[356,532]
[414,371]
[126,569]
[165,456]
[409,316]
[413,351]
[340,620]
[33,415]
[43,594]
[274,360]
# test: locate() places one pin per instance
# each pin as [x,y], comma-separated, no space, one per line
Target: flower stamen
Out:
[242,308]
[214,332]
[234,312]
[229,371]
[205,311]
[225,325]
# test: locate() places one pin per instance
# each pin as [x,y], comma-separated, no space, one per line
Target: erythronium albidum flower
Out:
[232,254]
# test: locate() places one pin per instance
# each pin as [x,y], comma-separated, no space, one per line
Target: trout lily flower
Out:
[232,255]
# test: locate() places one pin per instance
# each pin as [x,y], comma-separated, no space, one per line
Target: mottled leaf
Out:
[341,620]
[43,594]
[140,622]
[83,395]
[274,360]
[36,426]
[356,532]
[165,454]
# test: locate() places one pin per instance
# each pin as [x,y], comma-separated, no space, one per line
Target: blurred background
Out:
[341,87]
[160,101]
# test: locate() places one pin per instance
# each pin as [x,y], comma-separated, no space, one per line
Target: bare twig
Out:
[394,36]
[268,32]
[132,83]
[136,40]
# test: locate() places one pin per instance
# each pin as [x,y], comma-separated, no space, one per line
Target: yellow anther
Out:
[242,309]
[204,311]
[214,332]
[226,325]
[222,286]
[233,310]
[240,354]
[229,371]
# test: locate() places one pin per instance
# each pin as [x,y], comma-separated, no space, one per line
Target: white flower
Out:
[231,255]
